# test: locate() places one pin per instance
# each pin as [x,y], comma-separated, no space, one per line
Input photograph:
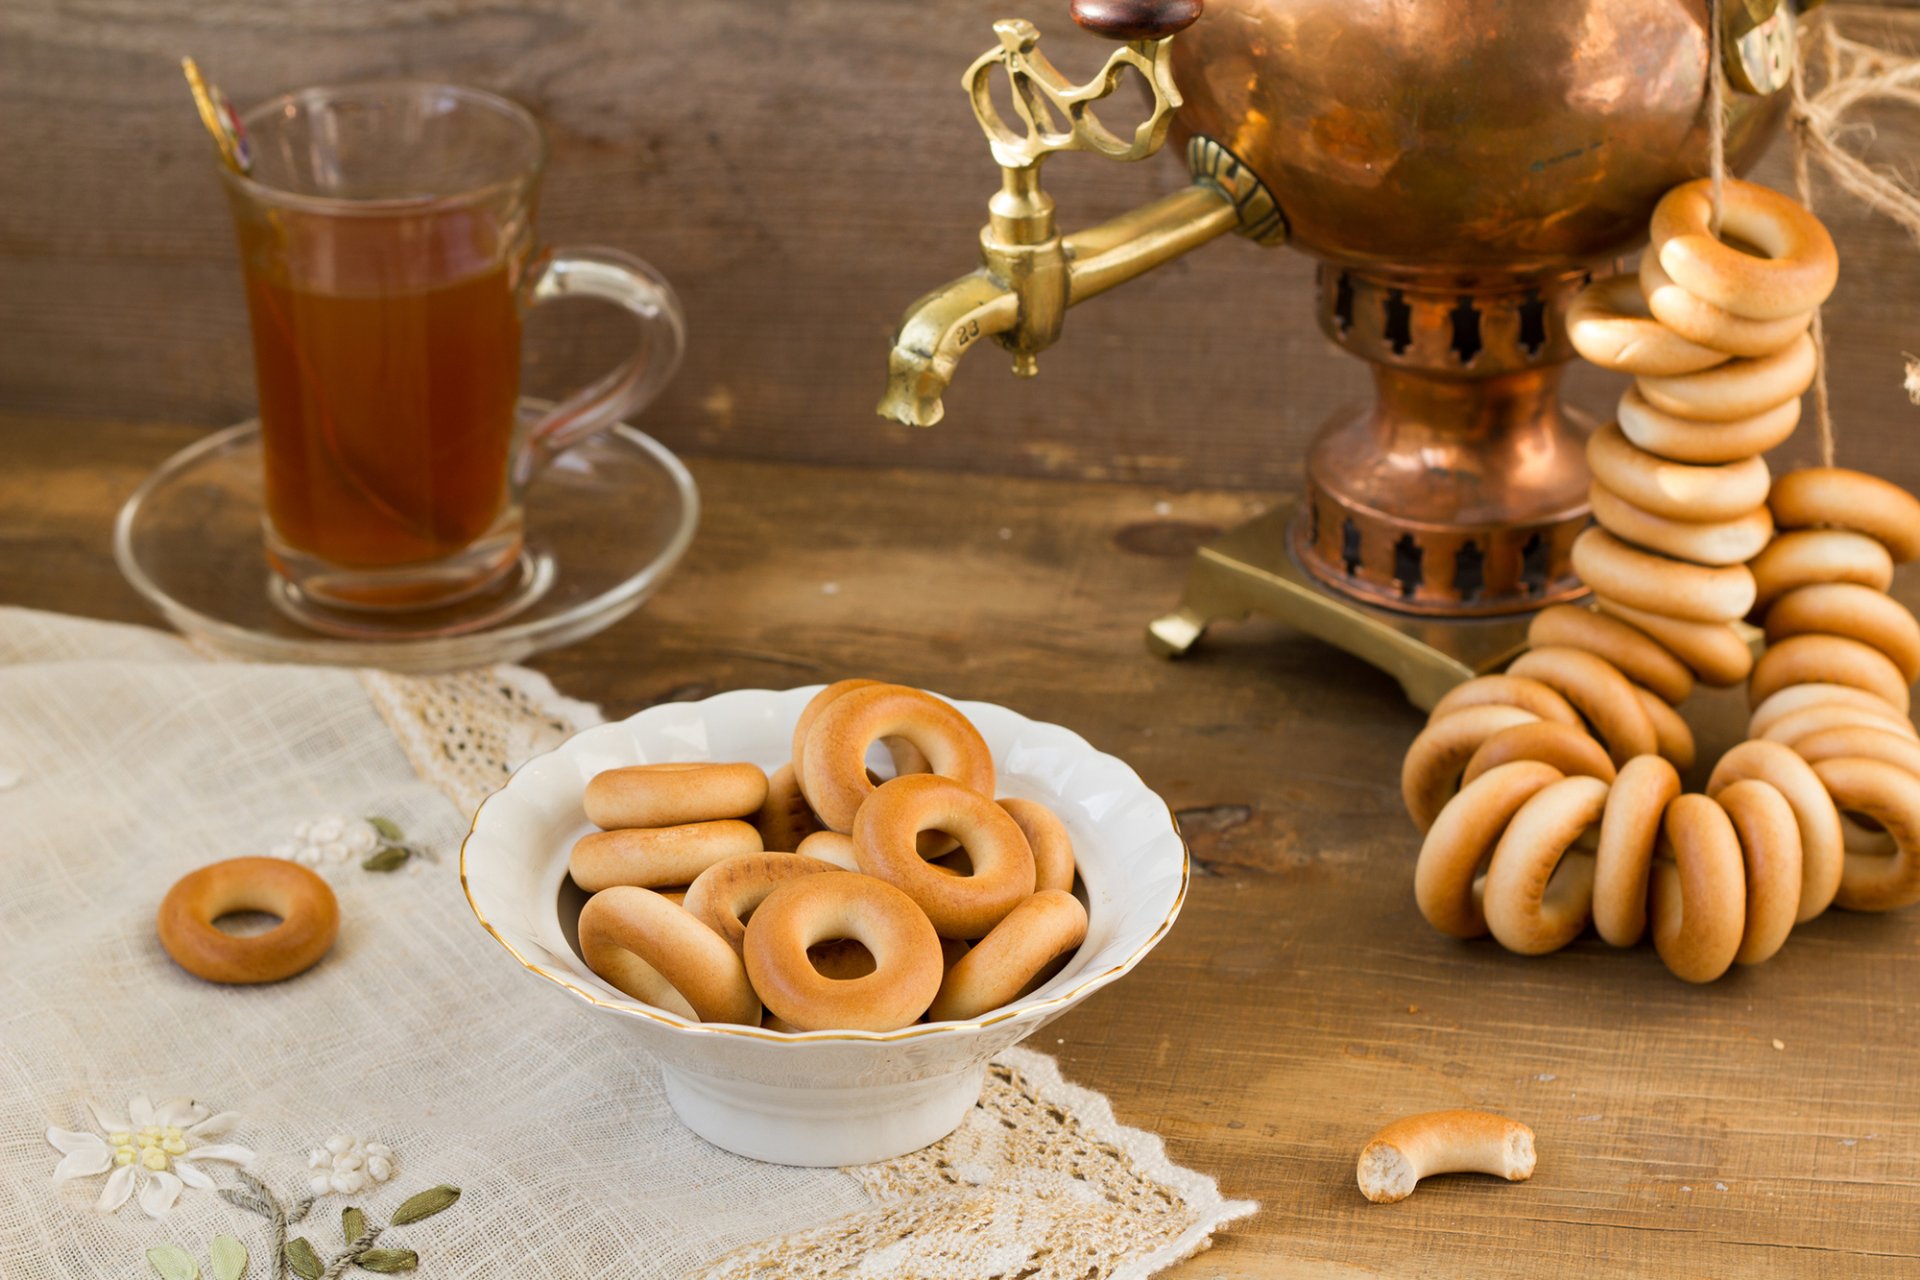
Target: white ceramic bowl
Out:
[822,1097]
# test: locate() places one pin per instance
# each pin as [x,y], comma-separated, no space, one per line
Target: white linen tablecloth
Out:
[127,760]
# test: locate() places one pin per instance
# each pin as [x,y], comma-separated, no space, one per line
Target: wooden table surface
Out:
[1768,1125]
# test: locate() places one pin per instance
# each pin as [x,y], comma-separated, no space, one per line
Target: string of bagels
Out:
[1550,796]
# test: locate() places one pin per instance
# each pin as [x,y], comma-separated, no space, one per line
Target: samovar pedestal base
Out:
[1252,569]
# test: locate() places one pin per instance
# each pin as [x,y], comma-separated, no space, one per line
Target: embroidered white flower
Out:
[10,777]
[346,1165]
[330,839]
[159,1148]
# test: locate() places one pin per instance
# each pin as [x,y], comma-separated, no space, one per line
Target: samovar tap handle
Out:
[1055,114]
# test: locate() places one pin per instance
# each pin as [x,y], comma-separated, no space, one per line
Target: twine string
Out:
[1852,74]
[1803,188]
[1716,111]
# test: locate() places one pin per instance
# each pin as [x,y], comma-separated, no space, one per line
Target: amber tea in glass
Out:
[387,243]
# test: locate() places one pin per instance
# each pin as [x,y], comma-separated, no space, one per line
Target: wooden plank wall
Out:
[801,168]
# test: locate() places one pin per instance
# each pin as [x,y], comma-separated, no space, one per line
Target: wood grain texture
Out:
[801,168]
[1300,1002]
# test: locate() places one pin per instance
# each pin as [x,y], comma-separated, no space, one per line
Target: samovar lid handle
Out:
[1136,19]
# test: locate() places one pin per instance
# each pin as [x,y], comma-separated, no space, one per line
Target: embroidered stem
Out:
[259,1198]
[256,1197]
[338,1267]
[281,1220]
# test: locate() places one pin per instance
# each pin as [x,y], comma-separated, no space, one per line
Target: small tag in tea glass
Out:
[387,241]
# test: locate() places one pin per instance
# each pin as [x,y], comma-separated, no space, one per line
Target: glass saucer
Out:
[606,523]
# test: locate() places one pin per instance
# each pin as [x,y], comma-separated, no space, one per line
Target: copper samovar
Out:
[1459,168]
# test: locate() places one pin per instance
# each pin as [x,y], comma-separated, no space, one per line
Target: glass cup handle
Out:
[627,281]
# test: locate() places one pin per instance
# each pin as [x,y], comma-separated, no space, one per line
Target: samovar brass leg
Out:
[1250,570]
[1213,594]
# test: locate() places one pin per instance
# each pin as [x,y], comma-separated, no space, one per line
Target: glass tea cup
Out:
[387,242]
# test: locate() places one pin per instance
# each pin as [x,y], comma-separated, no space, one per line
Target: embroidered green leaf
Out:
[388,1260]
[425,1204]
[391,858]
[304,1261]
[229,1258]
[353,1223]
[389,829]
[173,1262]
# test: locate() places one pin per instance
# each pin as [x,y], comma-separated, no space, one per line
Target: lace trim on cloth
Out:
[1037,1183]
[465,733]
[1040,1182]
